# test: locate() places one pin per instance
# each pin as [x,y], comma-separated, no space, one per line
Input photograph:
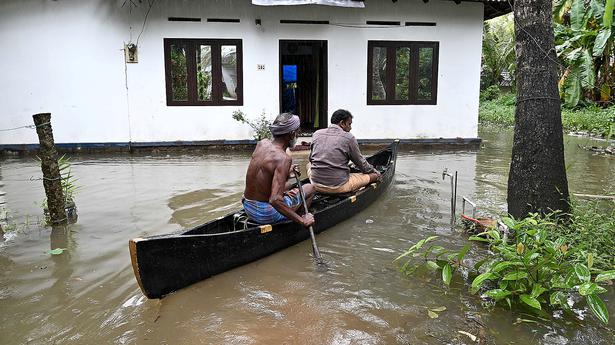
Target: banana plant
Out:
[584,41]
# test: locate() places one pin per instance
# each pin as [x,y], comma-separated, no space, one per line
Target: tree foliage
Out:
[584,36]
[498,51]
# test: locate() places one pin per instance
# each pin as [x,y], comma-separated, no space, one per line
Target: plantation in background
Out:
[584,42]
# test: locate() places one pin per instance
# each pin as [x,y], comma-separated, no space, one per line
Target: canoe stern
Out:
[132,246]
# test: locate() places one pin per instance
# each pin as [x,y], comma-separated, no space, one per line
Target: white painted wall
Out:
[65,57]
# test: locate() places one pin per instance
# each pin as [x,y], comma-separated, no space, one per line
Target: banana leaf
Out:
[571,88]
[601,41]
[586,67]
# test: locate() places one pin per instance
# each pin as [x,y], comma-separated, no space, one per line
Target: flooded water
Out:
[89,295]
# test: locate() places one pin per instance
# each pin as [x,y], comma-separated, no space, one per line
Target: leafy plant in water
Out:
[436,258]
[260,126]
[531,269]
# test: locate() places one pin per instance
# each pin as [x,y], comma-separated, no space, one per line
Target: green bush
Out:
[490,93]
[541,263]
[591,119]
[260,126]
[498,111]
[591,233]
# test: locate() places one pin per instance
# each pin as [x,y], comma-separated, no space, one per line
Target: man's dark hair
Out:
[340,115]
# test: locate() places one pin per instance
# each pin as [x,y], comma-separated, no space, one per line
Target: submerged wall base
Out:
[19,149]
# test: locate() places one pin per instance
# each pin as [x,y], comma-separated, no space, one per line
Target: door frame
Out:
[325,80]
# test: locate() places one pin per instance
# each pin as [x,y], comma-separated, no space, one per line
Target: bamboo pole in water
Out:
[51,171]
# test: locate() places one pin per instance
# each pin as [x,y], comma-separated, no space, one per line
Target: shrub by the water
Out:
[490,93]
[542,263]
[260,126]
[591,232]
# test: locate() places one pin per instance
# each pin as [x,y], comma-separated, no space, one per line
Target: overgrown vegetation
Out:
[499,109]
[541,263]
[498,56]
[592,234]
[584,35]
[260,126]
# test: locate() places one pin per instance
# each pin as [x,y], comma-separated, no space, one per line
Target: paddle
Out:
[305,208]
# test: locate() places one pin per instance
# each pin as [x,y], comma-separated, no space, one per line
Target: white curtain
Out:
[339,3]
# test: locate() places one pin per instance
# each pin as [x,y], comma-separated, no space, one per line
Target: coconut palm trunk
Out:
[537,181]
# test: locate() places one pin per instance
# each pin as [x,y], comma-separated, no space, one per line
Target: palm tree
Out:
[498,50]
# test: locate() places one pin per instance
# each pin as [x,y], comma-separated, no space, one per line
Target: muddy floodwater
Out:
[88,294]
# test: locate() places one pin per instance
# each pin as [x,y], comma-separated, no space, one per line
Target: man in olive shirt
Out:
[332,149]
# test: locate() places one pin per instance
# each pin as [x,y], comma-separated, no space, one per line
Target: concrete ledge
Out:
[220,144]
[425,141]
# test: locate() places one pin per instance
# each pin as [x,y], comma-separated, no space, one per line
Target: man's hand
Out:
[294,168]
[307,220]
[375,176]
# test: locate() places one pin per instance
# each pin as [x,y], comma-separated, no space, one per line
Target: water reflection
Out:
[191,207]
[88,294]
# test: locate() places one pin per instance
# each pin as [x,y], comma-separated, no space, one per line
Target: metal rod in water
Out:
[455,200]
[453,193]
[463,206]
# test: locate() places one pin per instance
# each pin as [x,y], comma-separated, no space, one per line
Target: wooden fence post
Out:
[51,171]
[3,215]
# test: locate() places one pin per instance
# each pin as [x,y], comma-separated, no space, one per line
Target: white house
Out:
[162,72]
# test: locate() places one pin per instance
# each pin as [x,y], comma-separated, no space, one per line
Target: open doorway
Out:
[303,82]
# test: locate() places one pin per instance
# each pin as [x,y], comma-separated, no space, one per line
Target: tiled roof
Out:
[496,8]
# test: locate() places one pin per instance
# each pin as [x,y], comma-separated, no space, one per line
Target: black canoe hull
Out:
[166,263]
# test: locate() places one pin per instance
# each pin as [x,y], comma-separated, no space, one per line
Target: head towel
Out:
[285,123]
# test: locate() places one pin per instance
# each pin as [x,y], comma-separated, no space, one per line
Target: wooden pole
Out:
[51,171]
[3,215]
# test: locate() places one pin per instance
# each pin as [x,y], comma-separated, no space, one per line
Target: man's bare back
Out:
[261,171]
[268,196]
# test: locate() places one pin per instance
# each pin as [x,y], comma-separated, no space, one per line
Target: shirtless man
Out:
[268,197]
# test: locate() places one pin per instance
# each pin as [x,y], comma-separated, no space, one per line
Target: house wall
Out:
[66,57]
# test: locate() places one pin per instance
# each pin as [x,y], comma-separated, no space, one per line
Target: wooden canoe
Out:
[166,263]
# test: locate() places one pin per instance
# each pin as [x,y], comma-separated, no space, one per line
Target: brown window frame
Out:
[413,71]
[216,71]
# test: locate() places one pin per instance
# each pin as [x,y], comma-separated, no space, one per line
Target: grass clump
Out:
[499,109]
[591,233]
